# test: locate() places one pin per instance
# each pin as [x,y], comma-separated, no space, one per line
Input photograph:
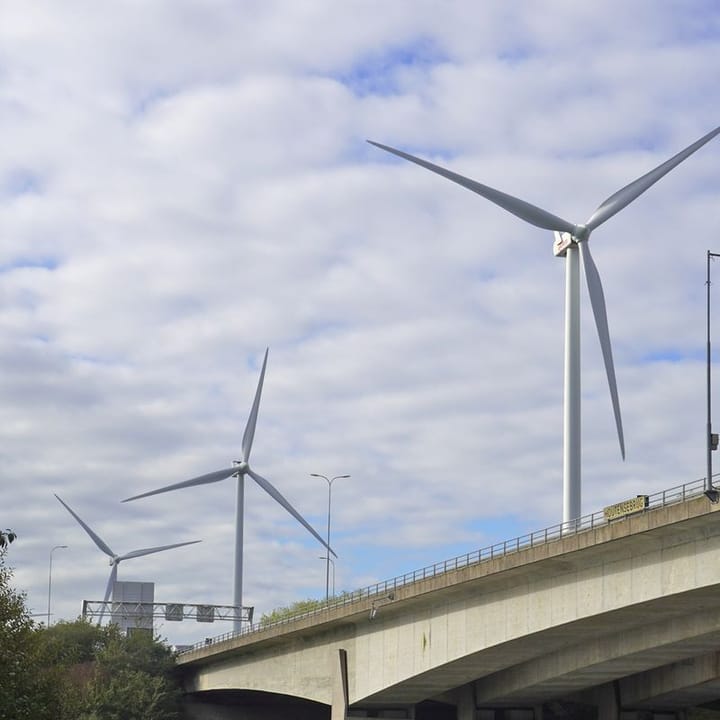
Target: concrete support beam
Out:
[602,660]
[691,681]
[340,687]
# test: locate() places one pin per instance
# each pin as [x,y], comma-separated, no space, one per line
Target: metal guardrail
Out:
[382,589]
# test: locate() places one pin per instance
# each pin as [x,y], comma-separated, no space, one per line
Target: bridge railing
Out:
[383,591]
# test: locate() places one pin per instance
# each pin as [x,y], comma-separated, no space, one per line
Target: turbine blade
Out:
[524,210]
[249,433]
[597,300]
[108,590]
[111,581]
[200,480]
[275,494]
[150,551]
[95,537]
[615,203]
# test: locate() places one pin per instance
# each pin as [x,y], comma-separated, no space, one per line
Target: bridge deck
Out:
[625,599]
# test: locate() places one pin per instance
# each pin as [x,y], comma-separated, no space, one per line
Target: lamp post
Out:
[712,494]
[332,562]
[57,547]
[327,564]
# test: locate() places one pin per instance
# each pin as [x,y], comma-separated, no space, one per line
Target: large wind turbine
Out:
[116,559]
[570,241]
[239,470]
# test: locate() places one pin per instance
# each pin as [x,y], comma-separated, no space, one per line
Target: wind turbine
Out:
[116,559]
[570,241]
[239,470]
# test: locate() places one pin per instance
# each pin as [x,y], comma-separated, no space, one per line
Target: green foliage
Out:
[283,613]
[22,691]
[99,674]
[134,680]
[128,695]
[79,671]
[71,643]
[67,660]
[298,608]
[6,537]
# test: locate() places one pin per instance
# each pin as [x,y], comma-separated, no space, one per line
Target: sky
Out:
[185,183]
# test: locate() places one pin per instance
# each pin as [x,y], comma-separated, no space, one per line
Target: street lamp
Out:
[711,492]
[327,564]
[332,562]
[57,547]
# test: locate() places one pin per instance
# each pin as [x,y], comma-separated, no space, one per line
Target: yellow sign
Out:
[626,507]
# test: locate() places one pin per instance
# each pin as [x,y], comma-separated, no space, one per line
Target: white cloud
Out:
[184,184]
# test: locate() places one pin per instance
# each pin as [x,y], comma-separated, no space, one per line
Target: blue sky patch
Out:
[21,182]
[42,263]
[516,55]
[700,23]
[147,102]
[671,355]
[377,73]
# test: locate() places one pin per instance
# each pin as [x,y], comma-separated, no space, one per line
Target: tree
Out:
[99,674]
[77,670]
[66,660]
[23,694]
[134,679]
[76,642]
[6,537]
[127,695]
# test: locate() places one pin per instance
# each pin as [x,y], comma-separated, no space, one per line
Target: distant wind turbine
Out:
[116,559]
[570,241]
[239,470]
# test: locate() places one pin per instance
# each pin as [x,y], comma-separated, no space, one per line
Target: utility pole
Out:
[327,563]
[712,440]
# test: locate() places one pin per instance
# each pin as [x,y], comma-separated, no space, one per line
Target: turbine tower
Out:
[572,243]
[116,559]
[239,470]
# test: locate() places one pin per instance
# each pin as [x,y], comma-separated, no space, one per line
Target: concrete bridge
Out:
[618,620]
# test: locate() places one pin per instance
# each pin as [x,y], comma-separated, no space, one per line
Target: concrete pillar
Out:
[340,686]
[608,701]
[466,703]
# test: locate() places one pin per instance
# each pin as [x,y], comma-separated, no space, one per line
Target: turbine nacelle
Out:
[563,241]
[241,467]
